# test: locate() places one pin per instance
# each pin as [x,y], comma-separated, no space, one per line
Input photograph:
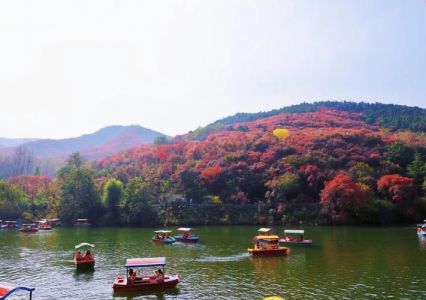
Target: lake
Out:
[343,263]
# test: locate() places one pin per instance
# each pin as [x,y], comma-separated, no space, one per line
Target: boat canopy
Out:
[55,219]
[82,220]
[84,246]
[185,229]
[264,230]
[267,237]
[28,225]
[6,289]
[145,262]
[295,232]
[163,231]
[11,222]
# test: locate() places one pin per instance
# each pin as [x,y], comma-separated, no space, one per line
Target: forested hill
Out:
[322,166]
[391,116]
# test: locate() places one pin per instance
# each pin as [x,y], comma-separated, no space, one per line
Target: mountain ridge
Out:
[53,148]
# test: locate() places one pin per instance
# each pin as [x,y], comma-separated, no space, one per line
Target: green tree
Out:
[12,201]
[138,204]
[288,185]
[416,169]
[112,194]
[363,172]
[400,154]
[161,140]
[75,160]
[80,198]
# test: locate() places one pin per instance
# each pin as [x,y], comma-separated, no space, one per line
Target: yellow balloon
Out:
[281,133]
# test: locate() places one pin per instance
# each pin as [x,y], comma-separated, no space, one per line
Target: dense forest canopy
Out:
[336,163]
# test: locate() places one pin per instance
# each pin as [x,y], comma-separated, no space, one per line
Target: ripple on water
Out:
[219,267]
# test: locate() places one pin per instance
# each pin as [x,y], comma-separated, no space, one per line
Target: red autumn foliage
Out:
[209,173]
[321,144]
[32,186]
[343,197]
[397,188]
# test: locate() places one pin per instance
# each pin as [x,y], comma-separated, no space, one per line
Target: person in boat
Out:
[257,245]
[160,275]
[132,275]
[88,255]
[78,256]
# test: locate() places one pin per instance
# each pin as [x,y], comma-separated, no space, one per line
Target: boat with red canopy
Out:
[135,281]
[7,289]
[84,257]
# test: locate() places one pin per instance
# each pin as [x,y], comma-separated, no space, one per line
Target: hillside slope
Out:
[246,163]
[393,117]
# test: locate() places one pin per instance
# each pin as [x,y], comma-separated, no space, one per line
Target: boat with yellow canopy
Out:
[267,245]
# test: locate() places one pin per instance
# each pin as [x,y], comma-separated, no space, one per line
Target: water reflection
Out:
[160,295]
[84,275]
[352,263]
[422,242]
[267,264]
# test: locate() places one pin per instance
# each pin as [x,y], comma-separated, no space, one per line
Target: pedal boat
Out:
[267,245]
[163,236]
[54,222]
[82,223]
[87,260]
[7,289]
[421,229]
[132,282]
[294,238]
[44,225]
[8,225]
[186,236]
[28,228]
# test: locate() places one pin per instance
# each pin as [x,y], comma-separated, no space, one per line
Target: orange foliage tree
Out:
[342,198]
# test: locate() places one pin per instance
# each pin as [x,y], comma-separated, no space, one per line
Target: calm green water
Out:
[344,263]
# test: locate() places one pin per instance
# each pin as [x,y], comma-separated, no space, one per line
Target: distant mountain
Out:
[5,142]
[101,143]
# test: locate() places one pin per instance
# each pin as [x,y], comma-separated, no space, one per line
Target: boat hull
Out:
[421,233]
[164,241]
[121,284]
[192,239]
[303,243]
[84,264]
[45,228]
[268,252]
[25,230]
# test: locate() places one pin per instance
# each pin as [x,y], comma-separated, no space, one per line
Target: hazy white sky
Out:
[70,67]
